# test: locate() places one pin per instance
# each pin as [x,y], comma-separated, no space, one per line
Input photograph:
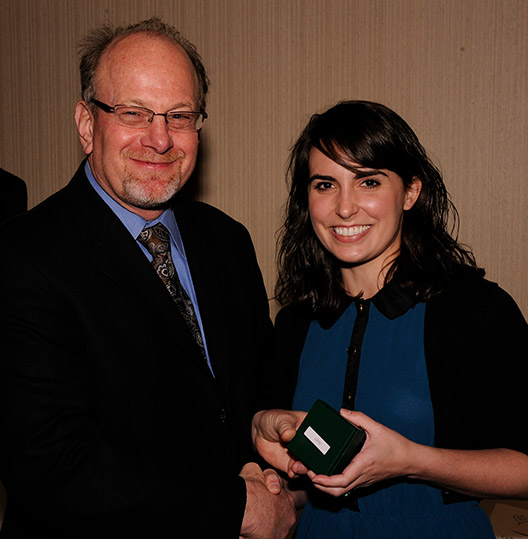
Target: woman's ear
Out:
[412,193]
[84,119]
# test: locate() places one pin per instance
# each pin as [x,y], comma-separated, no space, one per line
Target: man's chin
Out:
[161,203]
[152,198]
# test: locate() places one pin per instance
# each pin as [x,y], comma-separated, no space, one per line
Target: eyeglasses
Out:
[139,117]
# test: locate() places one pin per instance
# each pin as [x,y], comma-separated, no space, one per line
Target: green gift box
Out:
[326,442]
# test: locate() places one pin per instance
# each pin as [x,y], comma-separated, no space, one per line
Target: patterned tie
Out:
[157,241]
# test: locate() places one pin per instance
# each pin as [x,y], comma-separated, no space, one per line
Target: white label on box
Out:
[316,440]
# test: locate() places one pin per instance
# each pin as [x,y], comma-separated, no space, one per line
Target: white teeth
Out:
[350,230]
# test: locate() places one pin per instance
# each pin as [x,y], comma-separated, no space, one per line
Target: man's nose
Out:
[157,135]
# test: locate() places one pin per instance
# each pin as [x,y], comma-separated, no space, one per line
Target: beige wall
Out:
[456,70]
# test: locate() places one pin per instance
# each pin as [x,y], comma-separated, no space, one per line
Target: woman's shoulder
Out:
[471,291]
[474,306]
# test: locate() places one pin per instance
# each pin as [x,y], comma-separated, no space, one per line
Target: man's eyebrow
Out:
[180,106]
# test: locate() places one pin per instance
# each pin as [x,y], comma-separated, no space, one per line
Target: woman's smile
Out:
[357,214]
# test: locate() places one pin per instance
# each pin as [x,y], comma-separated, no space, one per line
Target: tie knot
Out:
[156,239]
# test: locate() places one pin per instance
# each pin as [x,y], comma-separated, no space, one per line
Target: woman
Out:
[388,318]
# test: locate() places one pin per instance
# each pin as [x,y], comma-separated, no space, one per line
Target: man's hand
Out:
[267,515]
[272,429]
[274,483]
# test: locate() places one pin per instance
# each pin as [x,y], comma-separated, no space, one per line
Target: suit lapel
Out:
[117,255]
[205,262]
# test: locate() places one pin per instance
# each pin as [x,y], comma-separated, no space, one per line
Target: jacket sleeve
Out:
[475,342]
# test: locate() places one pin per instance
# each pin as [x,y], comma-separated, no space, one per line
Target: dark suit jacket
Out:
[13,194]
[111,422]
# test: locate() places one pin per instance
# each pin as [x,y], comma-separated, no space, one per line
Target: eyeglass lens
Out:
[178,121]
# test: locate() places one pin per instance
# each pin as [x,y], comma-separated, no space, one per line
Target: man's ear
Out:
[412,193]
[84,119]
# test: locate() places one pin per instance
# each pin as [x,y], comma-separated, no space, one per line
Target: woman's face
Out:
[358,216]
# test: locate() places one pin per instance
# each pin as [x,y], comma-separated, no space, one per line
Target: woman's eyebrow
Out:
[362,173]
[320,177]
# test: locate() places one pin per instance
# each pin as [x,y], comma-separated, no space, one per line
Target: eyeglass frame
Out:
[111,110]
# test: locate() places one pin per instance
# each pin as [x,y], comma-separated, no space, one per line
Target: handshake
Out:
[323,441]
[270,507]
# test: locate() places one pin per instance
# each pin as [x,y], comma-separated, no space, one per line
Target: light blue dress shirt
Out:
[135,224]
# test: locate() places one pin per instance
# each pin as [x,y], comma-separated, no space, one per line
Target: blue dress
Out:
[393,389]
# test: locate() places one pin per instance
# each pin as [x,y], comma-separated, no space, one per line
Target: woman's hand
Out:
[271,431]
[384,455]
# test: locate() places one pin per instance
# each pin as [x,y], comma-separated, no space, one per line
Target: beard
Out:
[152,191]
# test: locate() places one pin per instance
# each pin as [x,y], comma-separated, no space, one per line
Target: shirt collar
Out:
[391,301]
[133,222]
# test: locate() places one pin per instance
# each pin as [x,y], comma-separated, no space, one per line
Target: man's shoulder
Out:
[194,208]
[12,184]
[58,209]
[46,215]
[203,216]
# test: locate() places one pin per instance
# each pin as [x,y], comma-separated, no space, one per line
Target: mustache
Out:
[170,157]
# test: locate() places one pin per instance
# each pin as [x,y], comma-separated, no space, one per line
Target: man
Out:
[121,414]
[13,194]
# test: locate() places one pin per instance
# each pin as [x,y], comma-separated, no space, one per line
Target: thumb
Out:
[278,425]
[357,419]
[273,481]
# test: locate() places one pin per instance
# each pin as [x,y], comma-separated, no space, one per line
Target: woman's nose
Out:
[346,205]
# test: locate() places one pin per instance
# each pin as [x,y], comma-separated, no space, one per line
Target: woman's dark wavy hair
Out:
[373,136]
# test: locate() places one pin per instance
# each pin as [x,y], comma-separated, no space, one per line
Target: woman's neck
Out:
[364,280]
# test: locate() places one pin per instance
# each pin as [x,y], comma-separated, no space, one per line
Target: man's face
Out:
[142,169]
